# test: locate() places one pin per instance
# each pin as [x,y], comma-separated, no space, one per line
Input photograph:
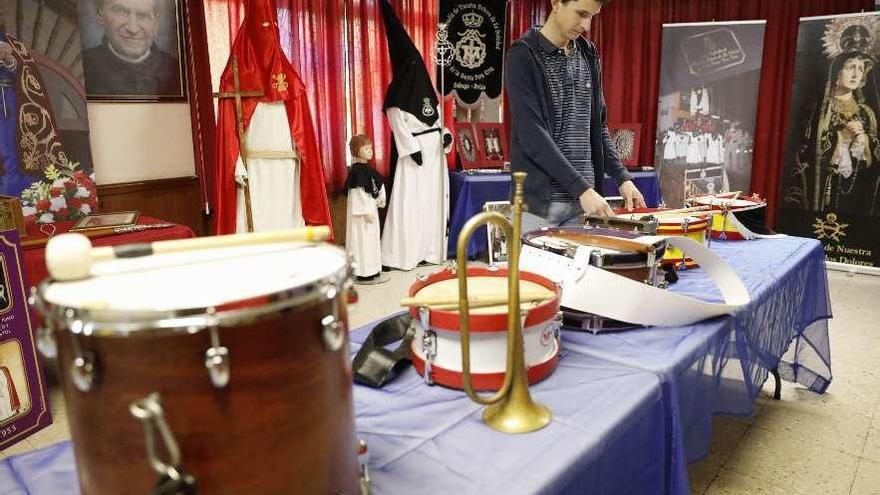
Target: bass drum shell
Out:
[283,424]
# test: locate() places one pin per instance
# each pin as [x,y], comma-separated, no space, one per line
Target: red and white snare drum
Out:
[437,345]
[735,218]
[690,224]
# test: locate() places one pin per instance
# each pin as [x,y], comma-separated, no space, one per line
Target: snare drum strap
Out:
[374,365]
[594,290]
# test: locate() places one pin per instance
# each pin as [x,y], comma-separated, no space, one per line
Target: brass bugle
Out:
[511,409]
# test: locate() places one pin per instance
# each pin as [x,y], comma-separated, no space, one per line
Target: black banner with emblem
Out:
[475,32]
[831,180]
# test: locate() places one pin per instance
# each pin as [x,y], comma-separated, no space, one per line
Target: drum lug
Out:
[333,333]
[217,356]
[652,268]
[45,340]
[82,367]
[332,328]
[429,343]
[363,455]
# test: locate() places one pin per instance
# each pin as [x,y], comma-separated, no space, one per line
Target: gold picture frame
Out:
[11,217]
[106,220]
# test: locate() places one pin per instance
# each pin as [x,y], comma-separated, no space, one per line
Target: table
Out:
[631,408]
[718,366]
[468,193]
[35,256]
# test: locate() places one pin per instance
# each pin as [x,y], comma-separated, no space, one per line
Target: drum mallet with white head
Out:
[70,256]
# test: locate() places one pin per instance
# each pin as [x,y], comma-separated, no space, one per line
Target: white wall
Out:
[140,141]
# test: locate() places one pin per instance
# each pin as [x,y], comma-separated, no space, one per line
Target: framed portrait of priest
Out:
[493,144]
[132,49]
[467,145]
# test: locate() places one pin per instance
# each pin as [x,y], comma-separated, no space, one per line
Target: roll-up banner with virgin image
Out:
[831,177]
[709,81]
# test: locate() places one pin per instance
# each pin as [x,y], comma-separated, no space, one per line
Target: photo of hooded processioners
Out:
[710,75]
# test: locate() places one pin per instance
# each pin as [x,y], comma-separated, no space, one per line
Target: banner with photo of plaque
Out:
[24,399]
[475,32]
[709,81]
[831,176]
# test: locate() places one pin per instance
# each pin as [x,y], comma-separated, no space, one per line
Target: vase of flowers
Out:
[67,193]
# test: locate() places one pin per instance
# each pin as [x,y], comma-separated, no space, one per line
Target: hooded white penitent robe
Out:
[670,139]
[418,209]
[274,182]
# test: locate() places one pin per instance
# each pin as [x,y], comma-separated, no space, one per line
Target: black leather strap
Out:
[374,365]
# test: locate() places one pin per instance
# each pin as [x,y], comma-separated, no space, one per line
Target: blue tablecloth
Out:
[608,436]
[719,365]
[631,408]
[468,193]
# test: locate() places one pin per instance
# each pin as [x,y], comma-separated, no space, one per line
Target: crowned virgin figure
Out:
[839,156]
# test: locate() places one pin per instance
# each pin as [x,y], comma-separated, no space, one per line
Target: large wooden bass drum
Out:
[227,368]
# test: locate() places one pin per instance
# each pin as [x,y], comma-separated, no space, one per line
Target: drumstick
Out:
[70,256]
[489,299]
[454,307]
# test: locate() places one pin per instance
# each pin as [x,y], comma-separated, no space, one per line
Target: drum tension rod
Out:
[429,344]
[217,356]
[83,368]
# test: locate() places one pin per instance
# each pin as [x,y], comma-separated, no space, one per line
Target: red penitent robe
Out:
[263,67]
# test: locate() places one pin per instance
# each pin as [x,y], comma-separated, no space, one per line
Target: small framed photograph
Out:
[104,220]
[493,144]
[497,241]
[467,145]
[626,138]
[132,50]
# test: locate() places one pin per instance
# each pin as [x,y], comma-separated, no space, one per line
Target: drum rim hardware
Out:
[190,320]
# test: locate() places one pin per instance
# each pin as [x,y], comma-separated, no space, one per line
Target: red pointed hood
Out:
[261,61]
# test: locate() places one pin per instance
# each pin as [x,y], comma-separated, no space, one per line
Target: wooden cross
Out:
[237,93]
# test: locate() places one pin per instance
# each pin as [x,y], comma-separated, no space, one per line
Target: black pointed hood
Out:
[410,89]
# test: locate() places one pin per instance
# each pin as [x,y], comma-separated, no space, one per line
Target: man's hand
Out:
[368,218]
[594,204]
[631,196]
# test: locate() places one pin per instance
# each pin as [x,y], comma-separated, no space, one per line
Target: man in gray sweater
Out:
[559,131]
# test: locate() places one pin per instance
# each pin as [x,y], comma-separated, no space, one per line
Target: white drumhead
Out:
[198,279]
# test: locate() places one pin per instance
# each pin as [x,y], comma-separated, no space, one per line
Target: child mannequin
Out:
[366,194]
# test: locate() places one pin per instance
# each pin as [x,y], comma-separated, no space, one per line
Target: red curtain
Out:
[629,34]
[369,70]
